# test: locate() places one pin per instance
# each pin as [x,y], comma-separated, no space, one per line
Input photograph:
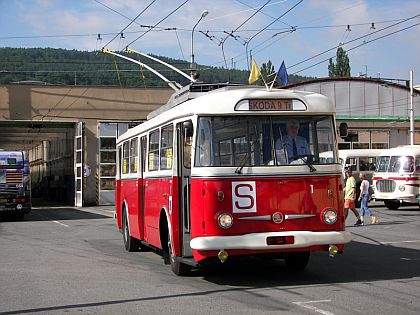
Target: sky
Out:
[381,37]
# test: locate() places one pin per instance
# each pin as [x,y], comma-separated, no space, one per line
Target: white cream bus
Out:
[360,161]
[396,179]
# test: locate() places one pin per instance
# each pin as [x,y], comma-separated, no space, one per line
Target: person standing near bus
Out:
[350,196]
[364,198]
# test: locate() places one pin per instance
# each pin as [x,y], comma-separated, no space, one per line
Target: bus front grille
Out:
[385,185]
[14,178]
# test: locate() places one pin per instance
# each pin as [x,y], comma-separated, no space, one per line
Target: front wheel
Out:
[297,261]
[392,204]
[131,244]
[178,268]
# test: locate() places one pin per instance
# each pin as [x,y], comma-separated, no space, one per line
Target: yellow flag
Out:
[255,73]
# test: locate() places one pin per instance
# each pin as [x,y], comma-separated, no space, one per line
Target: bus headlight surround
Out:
[329,216]
[225,220]
[401,187]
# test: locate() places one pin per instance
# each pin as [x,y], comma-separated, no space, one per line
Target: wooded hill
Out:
[70,67]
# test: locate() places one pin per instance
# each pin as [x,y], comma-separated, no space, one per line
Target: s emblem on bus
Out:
[277,217]
[244,197]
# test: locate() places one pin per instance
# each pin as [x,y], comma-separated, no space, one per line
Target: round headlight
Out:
[225,220]
[401,187]
[329,216]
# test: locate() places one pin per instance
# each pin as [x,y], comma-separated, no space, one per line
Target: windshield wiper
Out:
[241,165]
[305,159]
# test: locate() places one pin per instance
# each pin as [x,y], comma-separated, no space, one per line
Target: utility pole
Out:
[411,109]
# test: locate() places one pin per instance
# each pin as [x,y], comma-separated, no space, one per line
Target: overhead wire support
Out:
[357,46]
[353,40]
[263,29]
[160,21]
[222,42]
[132,21]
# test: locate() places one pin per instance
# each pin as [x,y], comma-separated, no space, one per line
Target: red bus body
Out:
[182,210]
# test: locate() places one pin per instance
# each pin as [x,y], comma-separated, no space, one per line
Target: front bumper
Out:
[258,241]
[13,207]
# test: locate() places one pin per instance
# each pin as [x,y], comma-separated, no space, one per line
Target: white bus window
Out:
[125,157]
[352,164]
[134,153]
[407,164]
[383,162]
[166,148]
[153,151]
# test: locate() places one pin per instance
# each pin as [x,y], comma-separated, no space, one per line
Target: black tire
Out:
[297,261]
[392,204]
[178,268]
[131,244]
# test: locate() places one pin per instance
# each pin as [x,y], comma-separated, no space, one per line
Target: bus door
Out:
[141,185]
[184,137]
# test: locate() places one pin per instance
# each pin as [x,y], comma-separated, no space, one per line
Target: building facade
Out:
[70,131]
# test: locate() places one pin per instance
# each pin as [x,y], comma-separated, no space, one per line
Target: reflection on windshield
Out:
[263,140]
[395,164]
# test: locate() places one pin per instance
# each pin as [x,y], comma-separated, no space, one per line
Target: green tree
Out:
[341,68]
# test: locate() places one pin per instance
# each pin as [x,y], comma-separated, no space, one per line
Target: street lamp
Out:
[193,65]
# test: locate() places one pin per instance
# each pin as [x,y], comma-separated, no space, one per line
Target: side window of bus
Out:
[119,160]
[166,147]
[351,163]
[187,134]
[154,151]
[372,163]
[125,157]
[418,164]
[134,153]
[363,164]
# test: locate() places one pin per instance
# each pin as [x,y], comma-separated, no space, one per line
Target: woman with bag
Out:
[364,198]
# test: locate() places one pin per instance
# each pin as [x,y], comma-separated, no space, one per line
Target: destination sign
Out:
[270,105]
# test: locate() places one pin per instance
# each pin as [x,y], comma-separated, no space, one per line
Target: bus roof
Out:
[345,154]
[222,101]
[413,150]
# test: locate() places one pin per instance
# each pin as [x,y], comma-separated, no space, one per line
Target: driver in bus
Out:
[294,145]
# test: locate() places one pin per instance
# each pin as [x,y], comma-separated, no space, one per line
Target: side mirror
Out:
[188,128]
[343,130]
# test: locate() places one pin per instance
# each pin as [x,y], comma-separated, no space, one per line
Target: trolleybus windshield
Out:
[263,140]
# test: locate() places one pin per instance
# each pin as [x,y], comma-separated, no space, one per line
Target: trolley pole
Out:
[411,109]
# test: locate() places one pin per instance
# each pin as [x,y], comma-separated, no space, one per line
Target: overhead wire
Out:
[243,23]
[260,31]
[364,43]
[272,17]
[168,15]
[131,22]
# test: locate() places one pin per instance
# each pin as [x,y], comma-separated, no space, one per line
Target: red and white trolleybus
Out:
[211,174]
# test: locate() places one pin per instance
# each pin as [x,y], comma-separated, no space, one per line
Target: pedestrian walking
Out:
[350,196]
[364,199]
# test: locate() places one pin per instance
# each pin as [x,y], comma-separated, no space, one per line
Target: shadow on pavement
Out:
[360,262]
[61,214]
